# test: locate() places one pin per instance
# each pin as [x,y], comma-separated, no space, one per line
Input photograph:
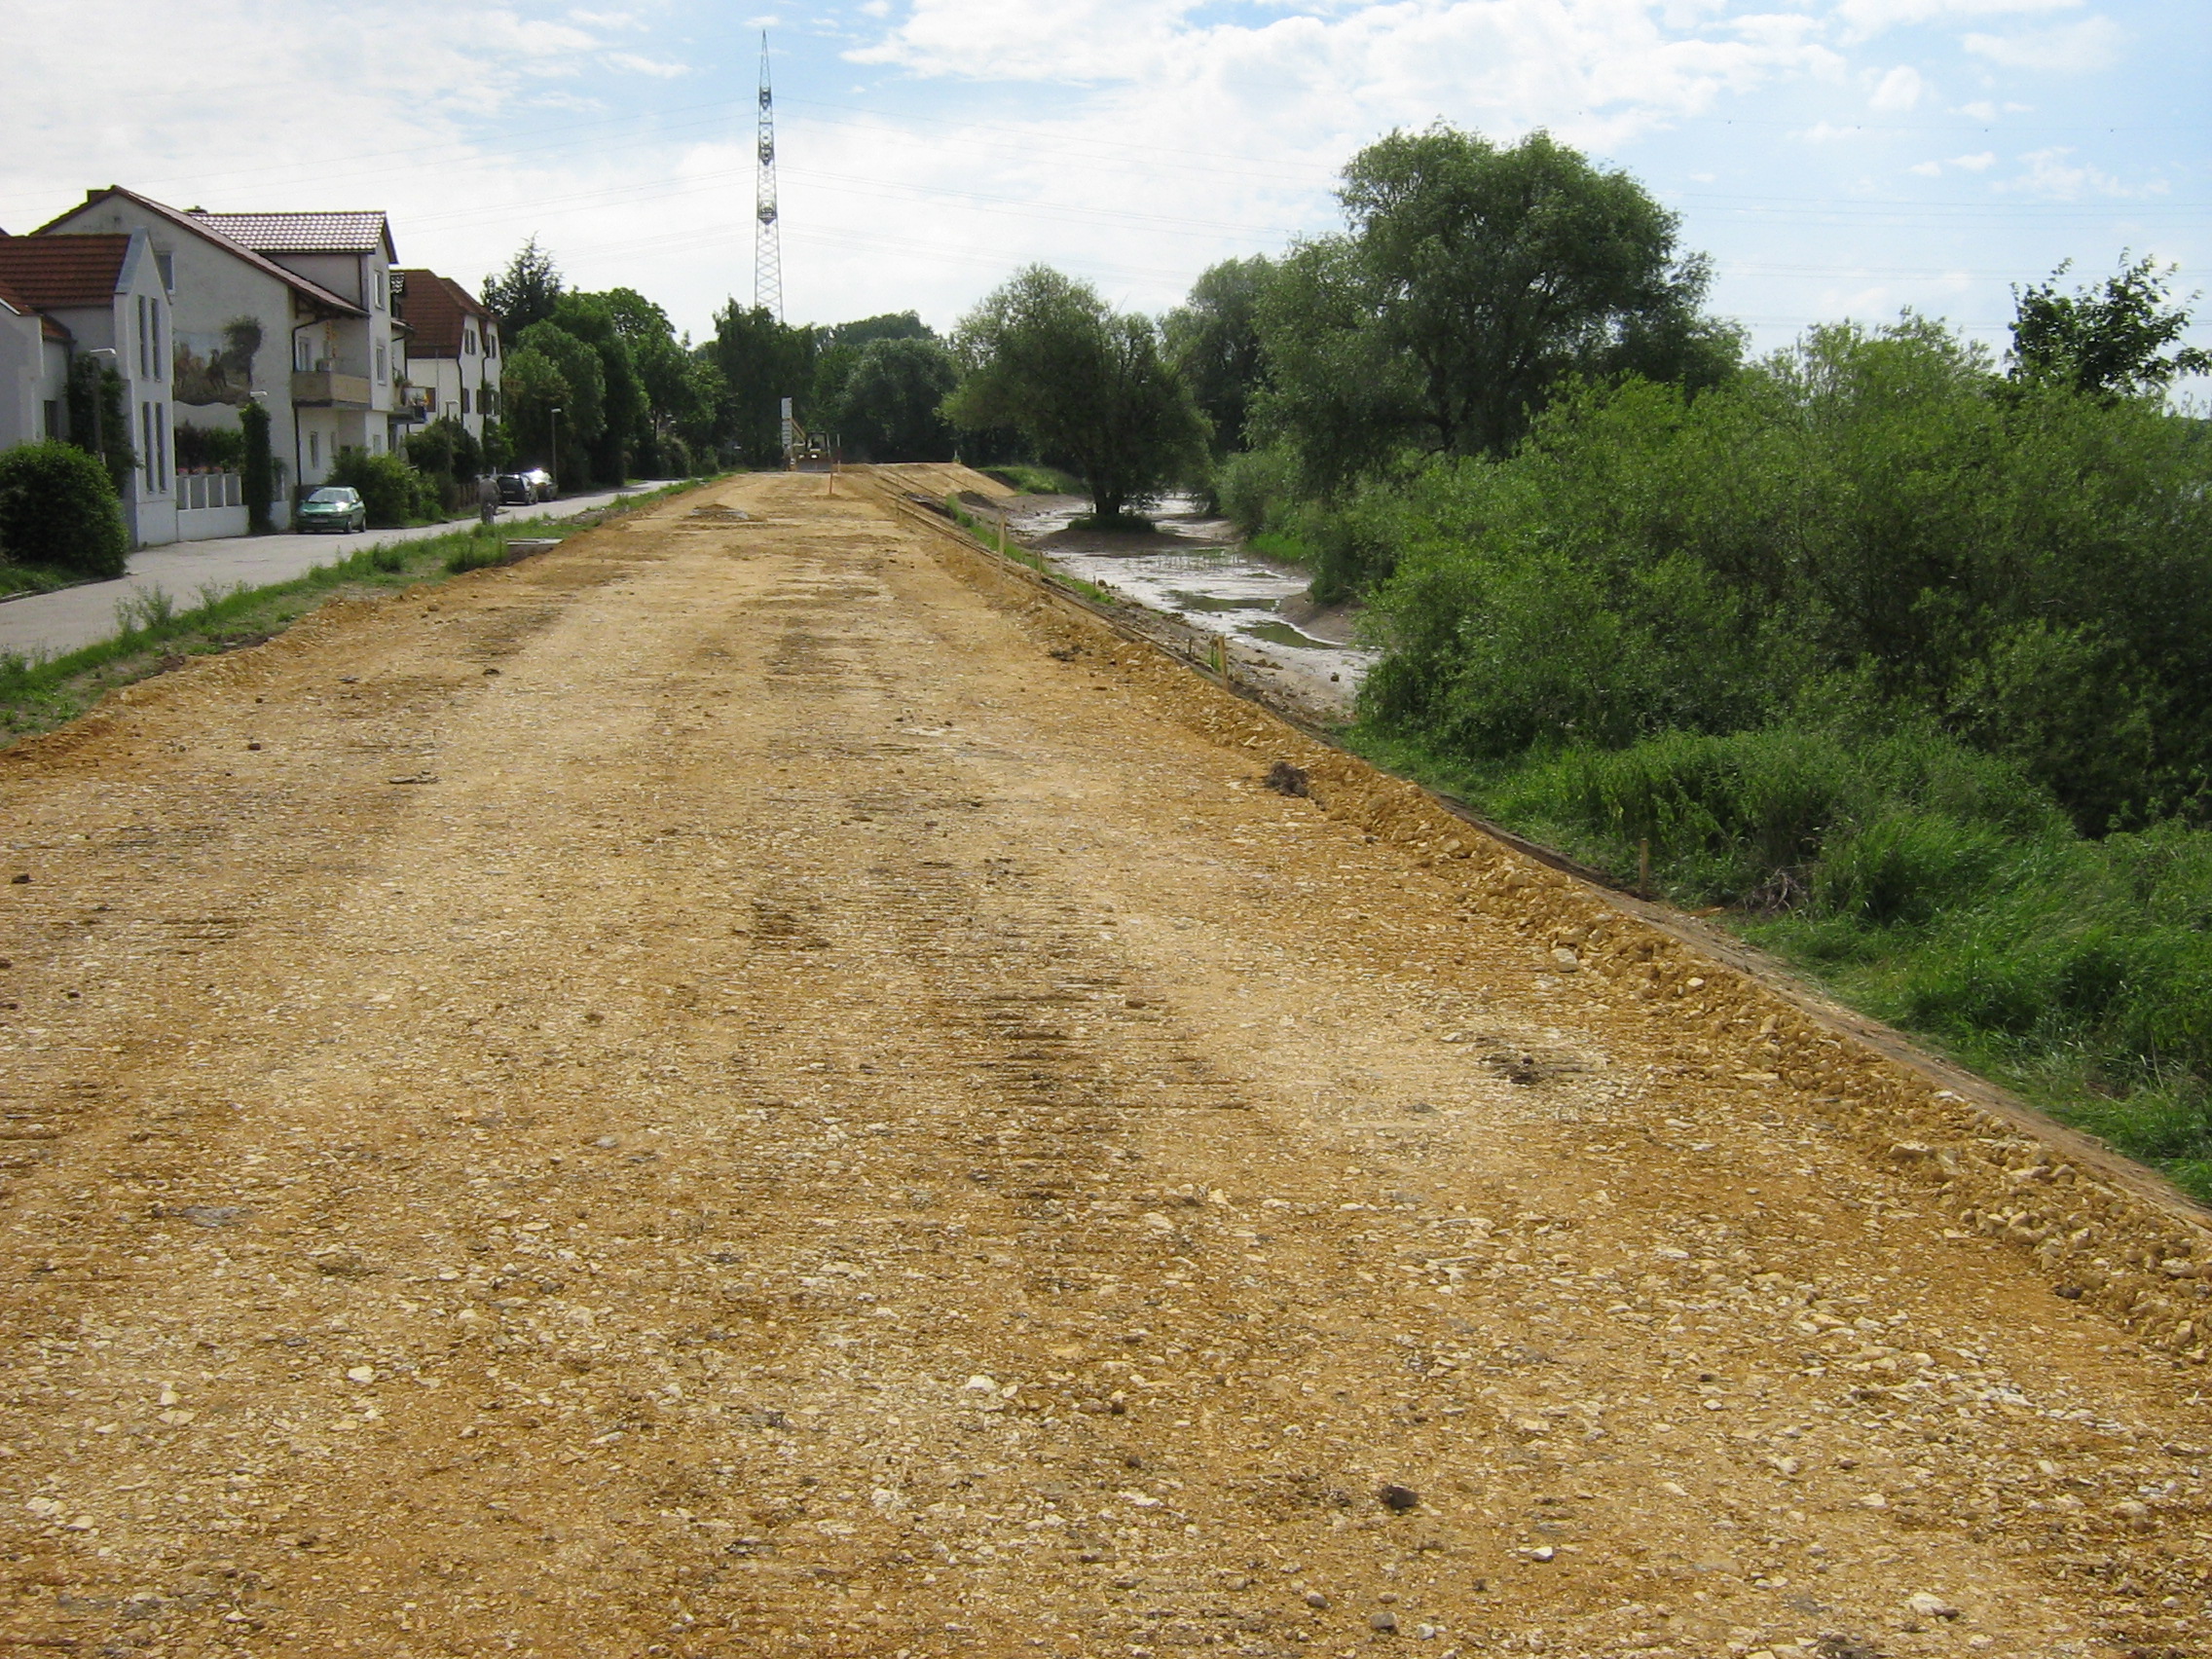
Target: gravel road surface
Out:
[751,1087]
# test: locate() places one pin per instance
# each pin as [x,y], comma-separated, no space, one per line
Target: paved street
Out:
[79,616]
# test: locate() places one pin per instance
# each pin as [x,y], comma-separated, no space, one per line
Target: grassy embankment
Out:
[154,635]
[1034,480]
[1904,667]
[986,531]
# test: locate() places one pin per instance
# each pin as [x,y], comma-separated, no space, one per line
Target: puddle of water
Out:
[1195,568]
[1283,634]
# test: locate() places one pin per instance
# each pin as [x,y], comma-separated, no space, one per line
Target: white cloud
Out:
[2093,43]
[653,66]
[1897,91]
[1863,19]
[1981,163]
[2052,175]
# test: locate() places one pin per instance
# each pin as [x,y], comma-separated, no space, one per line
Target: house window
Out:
[490,342]
[379,362]
[154,317]
[303,353]
[146,440]
[162,448]
[468,342]
[145,357]
[464,401]
[314,449]
[53,418]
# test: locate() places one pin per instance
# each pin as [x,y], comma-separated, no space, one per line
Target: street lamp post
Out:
[555,468]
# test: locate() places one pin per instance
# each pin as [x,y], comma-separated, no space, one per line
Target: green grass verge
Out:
[1033,480]
[2076,973]
[155,634]
[37,578]
[1281,545]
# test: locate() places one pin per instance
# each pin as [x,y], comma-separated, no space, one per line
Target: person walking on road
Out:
[487,497]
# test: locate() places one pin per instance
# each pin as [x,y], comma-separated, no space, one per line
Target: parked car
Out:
[542,482]
[334,507]
[515,489]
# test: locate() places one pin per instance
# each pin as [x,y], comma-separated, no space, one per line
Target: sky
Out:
[1835,158]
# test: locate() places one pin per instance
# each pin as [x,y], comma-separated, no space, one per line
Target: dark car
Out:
[334,507]
[515,489]
[542,482]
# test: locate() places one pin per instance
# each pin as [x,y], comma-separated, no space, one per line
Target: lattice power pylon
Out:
[767,244]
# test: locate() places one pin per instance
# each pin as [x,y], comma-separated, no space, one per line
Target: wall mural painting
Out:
[215,368]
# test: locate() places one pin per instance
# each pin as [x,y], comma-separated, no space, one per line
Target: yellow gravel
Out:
[749,1086]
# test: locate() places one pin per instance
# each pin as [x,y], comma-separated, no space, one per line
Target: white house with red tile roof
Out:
[351,366]
[453,350]
[259,326]
[107,297]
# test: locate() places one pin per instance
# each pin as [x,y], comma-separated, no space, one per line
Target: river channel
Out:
[1197,568]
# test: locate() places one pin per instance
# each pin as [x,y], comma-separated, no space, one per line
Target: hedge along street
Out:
[750,1086]
[51,623]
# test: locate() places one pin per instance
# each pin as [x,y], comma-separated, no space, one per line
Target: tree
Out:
[592,320]
[761,363]
[2116,339]
[1214,341]
[891,406]
[837,348]
[1472,280]
[1090,387]
[530,388]
[526,291]
[259,476]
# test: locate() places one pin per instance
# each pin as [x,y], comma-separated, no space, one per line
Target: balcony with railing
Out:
[328,385]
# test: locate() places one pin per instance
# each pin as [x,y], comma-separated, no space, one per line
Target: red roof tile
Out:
[433,307]
[54,272]
[302,233]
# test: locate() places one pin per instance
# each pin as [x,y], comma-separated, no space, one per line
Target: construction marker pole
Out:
[1643,868]
[1220,657]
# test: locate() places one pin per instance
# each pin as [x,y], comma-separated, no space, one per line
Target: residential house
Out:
[243,320]
[453,350]
[105,297]
[33,355]
[346,372]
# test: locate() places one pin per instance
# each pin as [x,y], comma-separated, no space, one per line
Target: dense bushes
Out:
[58,508]
[449,460]
[1875,521]
[395,493]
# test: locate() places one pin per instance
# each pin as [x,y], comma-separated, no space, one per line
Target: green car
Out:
[334,507]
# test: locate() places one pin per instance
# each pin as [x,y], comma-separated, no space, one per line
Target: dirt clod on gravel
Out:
[837,1114]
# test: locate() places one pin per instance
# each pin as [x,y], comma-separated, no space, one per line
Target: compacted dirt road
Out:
[749,1087]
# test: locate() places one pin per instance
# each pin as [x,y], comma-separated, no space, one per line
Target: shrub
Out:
[221,448]
[395,493]
[259,479]
[59,507]
[1256,489]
